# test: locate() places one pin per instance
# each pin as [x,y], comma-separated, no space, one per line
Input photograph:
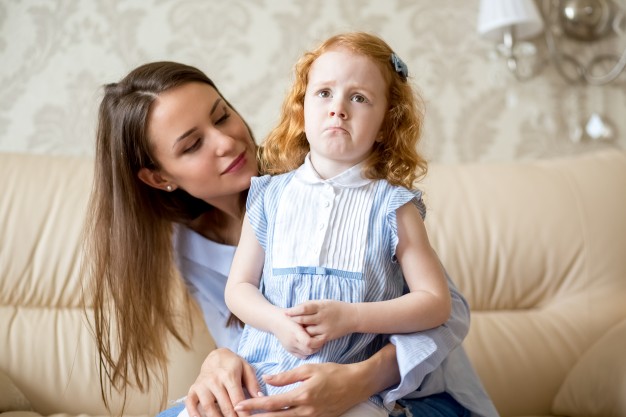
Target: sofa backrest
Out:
[538,249]
[46,346]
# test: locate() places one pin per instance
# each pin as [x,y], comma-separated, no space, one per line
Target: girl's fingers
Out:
[305,320]
[303,309]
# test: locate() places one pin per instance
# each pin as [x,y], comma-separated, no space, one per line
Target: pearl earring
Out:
[169,187]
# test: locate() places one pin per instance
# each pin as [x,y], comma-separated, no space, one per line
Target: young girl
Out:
[328,245]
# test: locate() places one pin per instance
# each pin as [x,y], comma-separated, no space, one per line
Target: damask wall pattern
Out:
[56,54]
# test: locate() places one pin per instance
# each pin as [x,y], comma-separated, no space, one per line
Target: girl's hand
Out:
[326,389]
[325,320]
[294,337]
[220,385]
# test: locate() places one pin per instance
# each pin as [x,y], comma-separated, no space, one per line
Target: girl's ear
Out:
[380,136]
[153,179]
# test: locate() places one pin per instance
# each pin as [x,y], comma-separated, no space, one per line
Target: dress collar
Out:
[350,178]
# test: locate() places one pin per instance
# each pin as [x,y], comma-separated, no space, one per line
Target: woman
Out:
[174,158]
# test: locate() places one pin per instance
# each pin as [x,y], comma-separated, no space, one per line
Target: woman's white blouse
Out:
[205,265]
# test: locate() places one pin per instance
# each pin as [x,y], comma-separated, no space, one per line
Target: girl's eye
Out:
[358,98]
[324,94]
[194,146]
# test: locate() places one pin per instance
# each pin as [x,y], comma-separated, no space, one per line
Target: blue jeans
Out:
[438,405]
[172,411]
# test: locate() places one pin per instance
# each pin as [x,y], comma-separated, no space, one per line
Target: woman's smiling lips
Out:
[236,164]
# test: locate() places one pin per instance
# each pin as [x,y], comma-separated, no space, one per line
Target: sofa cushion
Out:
[596,385]
[11,398]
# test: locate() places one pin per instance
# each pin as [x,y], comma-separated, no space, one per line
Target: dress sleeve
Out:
[255,207]
[399,197]
[421,353]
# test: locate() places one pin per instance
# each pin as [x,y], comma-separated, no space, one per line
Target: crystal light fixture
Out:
[510,21]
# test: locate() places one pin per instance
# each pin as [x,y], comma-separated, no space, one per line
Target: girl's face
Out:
[202,145]
[344,106]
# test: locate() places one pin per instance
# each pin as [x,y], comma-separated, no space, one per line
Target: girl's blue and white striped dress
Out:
[324,239]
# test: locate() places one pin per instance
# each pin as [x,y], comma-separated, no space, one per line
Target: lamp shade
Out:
[495,16]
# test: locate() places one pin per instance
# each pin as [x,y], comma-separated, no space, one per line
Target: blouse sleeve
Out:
[255,207]
[419,354]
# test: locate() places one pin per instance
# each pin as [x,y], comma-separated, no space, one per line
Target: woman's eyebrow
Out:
[217,102]
[190,131]
[184,135]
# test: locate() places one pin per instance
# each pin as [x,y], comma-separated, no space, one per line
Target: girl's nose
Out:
[339,113]
[337,110]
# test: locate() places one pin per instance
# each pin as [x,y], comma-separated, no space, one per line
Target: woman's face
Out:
[201,144]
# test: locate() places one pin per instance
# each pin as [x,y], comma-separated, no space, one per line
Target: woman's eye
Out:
[324,94]
[194,146]
[358,98]
[224,117]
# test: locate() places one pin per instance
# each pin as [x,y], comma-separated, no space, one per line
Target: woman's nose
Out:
[224,143]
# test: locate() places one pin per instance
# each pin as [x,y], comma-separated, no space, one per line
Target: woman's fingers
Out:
[220,385]
[250,382]
[218,401]
[291,376]
[279,402]
[224,401]
[191,403]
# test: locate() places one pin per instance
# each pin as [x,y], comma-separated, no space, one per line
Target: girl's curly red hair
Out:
[395,158]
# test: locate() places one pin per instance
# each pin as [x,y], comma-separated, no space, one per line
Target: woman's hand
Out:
[220,385]
[326,389]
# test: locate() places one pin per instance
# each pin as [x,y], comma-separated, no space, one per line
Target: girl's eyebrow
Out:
[190,131]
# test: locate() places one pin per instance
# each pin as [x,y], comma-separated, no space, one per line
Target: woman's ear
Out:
[154,179]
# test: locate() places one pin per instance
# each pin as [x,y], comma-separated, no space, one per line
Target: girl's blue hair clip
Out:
[399,66]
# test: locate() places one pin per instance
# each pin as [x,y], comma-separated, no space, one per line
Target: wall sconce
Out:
[512,22]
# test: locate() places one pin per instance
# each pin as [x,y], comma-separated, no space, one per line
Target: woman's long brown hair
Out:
[129,260]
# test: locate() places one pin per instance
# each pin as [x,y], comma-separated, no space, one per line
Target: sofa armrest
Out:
[596,385]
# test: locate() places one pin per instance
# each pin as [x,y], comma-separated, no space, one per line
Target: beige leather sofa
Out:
[538,248]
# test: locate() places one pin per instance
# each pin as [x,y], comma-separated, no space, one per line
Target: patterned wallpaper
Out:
[55,55]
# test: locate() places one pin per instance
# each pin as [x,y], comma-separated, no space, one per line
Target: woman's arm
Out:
[327,389]
[419,354]
[330,389]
